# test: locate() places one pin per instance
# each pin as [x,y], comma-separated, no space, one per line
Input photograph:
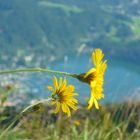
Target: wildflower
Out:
[62,96]
[77,122]
[95,78]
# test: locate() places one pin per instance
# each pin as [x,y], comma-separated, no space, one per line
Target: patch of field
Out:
[64,7]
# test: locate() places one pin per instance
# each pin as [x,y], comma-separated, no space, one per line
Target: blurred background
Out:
[61,35]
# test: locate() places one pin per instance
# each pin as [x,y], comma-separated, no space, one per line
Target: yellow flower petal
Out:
[97,57]
[71,105]
[55,82]
[66,109]
[63,85]
[91,101]
[93,83]
[103,67]
[74,100]
[92,70]
[60,82]
[68,112]
[50,88]
[70,88]
[69,94]
[96,103]
[57,107]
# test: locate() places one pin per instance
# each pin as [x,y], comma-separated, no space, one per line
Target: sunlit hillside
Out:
[28,25]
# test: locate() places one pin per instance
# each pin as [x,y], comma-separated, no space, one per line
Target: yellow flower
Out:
[62,96]
[95,78]
[77,122]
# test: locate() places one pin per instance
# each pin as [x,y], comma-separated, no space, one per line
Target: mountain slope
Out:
[42,27]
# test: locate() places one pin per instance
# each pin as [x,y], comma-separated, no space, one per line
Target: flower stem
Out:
[38,70]
[21,114]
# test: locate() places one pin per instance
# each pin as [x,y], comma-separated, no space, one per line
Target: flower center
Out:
[56,97]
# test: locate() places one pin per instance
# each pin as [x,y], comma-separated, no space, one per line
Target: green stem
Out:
[21,114]
[38,70]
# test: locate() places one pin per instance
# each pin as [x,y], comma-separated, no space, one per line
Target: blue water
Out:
[121,82]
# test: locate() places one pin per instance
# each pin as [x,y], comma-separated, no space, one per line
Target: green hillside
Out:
[42,26]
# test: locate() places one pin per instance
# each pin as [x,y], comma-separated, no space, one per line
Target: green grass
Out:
[111,122]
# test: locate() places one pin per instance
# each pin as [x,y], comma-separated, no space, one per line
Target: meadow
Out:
[111,122]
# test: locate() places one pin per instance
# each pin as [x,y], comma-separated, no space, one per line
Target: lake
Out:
[122,81]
